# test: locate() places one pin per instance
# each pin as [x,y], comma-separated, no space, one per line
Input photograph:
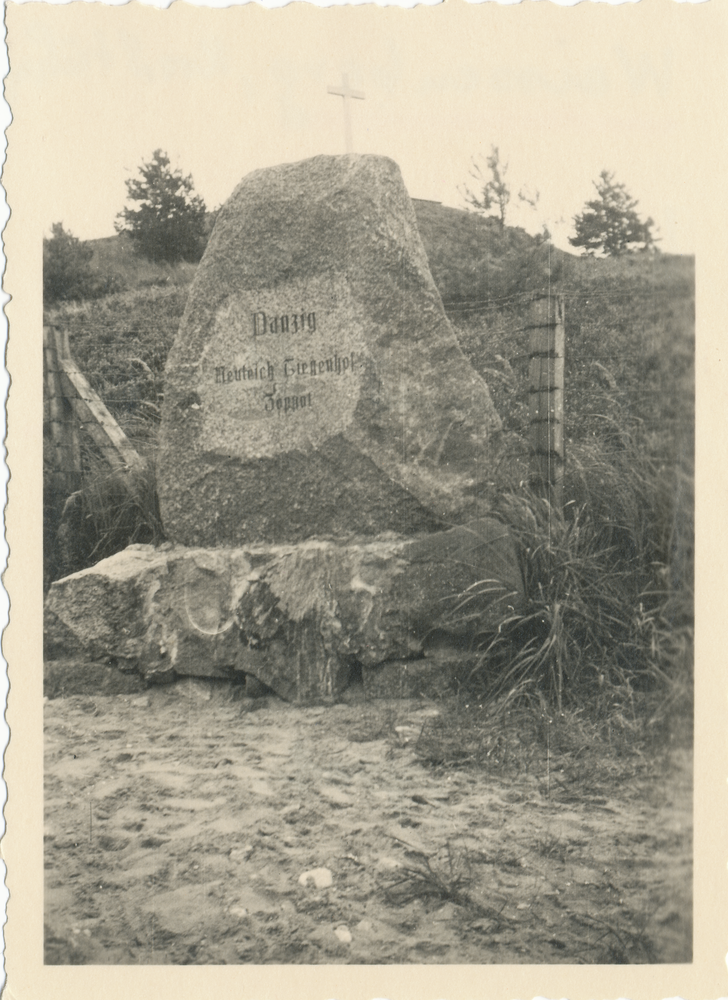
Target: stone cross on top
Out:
[347,93]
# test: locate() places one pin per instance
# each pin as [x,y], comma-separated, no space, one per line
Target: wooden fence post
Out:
[74,407]
[546,395]
[64,432]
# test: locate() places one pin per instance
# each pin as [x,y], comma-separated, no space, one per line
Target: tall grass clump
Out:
[121,508]
[607,614]
[112,509]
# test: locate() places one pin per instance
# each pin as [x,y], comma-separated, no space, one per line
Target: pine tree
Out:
[493,192]
[609,223]
[169,224]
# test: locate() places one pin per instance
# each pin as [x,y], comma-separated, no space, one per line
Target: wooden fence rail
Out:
[74,407]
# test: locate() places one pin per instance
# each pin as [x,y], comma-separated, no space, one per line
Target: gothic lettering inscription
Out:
[293,323]
[264,371]
[277,375]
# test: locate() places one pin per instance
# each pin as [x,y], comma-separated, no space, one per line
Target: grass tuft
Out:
[608,612]
[447,881]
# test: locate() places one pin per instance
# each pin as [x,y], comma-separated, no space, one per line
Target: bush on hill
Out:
[67,272]
[493,192]
[610,224]
[169,223]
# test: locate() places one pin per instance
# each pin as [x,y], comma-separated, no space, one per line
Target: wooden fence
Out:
[74,408]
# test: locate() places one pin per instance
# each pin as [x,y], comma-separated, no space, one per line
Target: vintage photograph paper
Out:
[365,398]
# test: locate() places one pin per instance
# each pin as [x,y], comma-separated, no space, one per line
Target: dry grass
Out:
[448,880]
[570,752]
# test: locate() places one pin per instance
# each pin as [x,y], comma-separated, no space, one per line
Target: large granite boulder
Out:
[299,618]
[316,387]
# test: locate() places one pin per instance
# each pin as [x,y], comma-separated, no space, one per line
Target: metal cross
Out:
[347,93]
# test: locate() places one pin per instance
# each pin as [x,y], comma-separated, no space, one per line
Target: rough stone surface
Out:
[59,642]
[163,610]
[321,878]
[316,387]
[63,678]
[453,584]
[296,617]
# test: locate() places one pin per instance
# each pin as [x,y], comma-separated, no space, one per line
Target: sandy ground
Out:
[179,822]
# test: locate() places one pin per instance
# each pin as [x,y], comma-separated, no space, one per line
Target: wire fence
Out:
[628,376]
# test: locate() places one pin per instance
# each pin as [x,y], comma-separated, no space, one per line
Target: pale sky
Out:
[563,92]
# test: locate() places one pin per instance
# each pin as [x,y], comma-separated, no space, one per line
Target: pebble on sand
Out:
[321,878]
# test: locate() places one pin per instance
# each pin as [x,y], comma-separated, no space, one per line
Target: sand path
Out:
[179,822]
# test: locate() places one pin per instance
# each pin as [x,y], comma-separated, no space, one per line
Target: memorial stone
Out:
[316,387]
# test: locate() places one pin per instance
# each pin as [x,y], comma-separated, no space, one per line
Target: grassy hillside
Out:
[115,255]
[629,326]
[472,258]
[629,348]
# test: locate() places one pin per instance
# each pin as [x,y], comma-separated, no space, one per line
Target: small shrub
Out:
[67,274]
[609,223]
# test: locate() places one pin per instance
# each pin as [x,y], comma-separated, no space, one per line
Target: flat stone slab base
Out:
[301,619]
